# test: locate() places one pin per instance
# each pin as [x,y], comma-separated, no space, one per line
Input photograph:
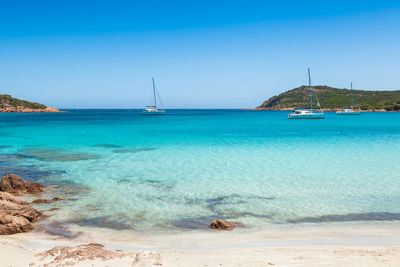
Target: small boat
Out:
[308,113]
[153,110]
[349,111]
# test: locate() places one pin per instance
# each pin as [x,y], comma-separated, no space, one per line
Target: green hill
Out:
[334,98]
[8,102]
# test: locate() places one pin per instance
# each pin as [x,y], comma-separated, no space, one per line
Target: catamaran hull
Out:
[306,116]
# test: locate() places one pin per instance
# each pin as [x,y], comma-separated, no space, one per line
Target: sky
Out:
[203,54]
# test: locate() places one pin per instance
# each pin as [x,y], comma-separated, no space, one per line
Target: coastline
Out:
[307,245]
[30,110]
[324,109]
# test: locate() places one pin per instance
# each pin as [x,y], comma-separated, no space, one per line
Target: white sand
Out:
[333,245]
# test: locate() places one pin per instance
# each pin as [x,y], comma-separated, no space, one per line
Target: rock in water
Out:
[41,201]
[222,225]
[13,184]
[45,201]
[16,216]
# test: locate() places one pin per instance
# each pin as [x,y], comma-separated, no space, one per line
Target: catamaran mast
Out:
[154,93]
[351,86]
[309,85]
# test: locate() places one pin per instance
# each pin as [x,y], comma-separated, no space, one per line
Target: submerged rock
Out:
[107,146]
[220,224]
[58,229]
[13,184]
[192,222]
[41,200]
[101,222]
[52,155]
[16,216]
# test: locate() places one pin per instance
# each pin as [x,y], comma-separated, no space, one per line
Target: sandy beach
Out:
[330,245]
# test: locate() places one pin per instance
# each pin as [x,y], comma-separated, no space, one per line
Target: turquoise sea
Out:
[117,169]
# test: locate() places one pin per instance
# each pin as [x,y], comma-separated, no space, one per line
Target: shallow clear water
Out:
[120,170]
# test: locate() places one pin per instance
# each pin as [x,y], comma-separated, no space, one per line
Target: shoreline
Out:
[325,110]
[349,233]
[306,245]
[30,110]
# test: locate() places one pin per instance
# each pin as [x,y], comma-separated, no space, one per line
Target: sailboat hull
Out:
[306,116]
[158,112]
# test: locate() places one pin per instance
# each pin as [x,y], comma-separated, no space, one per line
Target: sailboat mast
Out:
[351,86]
[309,85]
[154,93]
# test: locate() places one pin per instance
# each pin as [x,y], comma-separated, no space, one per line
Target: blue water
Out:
[120,170]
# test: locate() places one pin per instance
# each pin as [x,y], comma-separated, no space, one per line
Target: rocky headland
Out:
[333,99]
[9,104]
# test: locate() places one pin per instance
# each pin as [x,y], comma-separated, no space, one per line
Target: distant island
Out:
[11,104]
[333,99]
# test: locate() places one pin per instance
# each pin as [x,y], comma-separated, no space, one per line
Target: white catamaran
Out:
[153,110]
[307,113]
[349,111]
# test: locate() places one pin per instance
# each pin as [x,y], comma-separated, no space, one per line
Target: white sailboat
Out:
[307,113]
[349,111]
[153,110]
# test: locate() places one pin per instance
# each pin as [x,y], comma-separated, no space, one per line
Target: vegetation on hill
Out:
[7,101]
[334,98]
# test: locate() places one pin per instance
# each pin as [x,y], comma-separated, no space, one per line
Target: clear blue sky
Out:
[204,54]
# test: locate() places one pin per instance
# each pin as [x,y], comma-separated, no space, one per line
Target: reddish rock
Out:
[222,225]
[16,216]
[13,184]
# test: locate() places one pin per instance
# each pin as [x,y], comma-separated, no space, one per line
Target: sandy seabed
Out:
[306,245]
